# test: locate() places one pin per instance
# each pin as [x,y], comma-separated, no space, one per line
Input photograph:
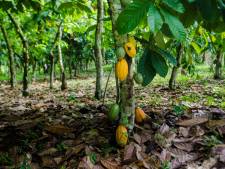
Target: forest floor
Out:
[69,129]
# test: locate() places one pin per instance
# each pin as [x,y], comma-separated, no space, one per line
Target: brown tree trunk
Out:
[25,53]
[127,100]
[172,81]
[63,76]
[98,50]
[52,59]
[11,57]
[218,67]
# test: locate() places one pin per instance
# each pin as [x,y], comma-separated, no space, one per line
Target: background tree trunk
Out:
[172,81]
[25,54]
[127,100]
[52,59]
[63,76]
[98,50]
[11,57]
[218,67]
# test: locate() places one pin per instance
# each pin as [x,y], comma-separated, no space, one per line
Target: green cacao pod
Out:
[120,52]
[113,114]
[138,78]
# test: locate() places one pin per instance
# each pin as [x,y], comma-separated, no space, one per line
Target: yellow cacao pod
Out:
[121,135]
[132,40]
[130,49]
[140,115]
[122,69]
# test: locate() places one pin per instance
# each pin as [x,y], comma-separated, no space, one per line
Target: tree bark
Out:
[218,67]
[126,93]
[172,81]
[98,50]
[52,59]
[63,76]
[11,57]
[25,53]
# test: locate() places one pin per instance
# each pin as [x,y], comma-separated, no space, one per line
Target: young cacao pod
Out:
[140,115]
[138,78]
[122,69]
[120,53]
[132,40]
[113,114]
[130,49]
[121,135]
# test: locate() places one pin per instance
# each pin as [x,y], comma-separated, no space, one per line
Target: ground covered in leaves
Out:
[68,130]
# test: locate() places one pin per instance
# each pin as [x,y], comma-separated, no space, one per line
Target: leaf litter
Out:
[54,129]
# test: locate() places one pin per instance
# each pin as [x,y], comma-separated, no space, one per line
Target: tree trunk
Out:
[52,59]
[25,54]
[127,100]
[11,57]
[63,76]
[98,50]
[218,67]
[172,81]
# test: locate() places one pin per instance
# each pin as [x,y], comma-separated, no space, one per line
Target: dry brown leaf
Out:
[129,152]
[193,122]
[184,146]
[58,129]
[137,138]
[110,165]
[181,155]
[216,123]
[85,163]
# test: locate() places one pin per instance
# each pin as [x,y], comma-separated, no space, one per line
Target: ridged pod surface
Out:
[138,78]
[120,53]
[140,115]
[113,114]
[132,40]
[130,49]
[121,135]
[122,69]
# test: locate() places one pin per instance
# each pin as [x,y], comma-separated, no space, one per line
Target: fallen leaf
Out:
[110,165]
[58,129]
[193,122]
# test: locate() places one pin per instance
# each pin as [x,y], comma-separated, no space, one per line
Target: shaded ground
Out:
[54,129]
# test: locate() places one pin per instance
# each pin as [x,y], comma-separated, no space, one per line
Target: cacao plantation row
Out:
[112,84]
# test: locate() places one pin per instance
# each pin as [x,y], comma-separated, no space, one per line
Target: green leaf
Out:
[155,20]
[131,16]
[91,28]
[145,68]
[159,64]
[196,47]
[176,5]
[166,55]
[159,39]
[176,27]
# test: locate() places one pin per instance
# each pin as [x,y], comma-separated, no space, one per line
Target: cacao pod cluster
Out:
[122,65]
[121,131]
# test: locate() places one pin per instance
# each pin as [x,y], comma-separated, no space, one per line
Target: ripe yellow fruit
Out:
[122,69]
[132,40]
[130,49]
[121,135]
[140,115]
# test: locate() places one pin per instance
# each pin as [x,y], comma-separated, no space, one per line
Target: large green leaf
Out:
[131,16]
[176,5]
[159,64]
[170,58]
[176,27]
[155,20]
[145,67]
